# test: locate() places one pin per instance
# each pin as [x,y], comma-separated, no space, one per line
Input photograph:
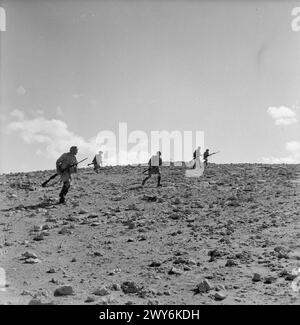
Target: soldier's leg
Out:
[145,180]
[66,179]
[158,180]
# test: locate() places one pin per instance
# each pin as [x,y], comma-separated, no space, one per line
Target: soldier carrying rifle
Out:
[66,165]
[206,155]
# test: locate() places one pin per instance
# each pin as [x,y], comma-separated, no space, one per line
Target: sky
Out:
[71,70]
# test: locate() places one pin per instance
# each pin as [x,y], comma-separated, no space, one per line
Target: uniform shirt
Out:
[206,154]
[99,159]
[155,161]
[65,161]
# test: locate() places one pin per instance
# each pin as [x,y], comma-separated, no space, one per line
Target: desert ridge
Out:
[227,237]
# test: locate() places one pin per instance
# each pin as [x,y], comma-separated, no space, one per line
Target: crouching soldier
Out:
[66,165]
[154,164]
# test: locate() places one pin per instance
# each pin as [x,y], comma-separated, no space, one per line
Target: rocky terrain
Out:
[229,237]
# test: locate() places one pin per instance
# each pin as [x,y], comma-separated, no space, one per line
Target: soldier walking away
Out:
[154,163]
[205,157]
[66,165]
[97,162]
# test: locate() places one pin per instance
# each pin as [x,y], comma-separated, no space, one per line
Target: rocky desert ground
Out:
[231,236]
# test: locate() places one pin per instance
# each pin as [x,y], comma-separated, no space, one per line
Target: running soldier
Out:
[66,165]
[154,163]
[205,157]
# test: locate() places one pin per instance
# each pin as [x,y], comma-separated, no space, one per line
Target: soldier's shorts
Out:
[153,170]
[65,177]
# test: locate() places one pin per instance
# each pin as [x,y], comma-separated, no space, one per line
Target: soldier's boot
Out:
[64,192]
[158,181]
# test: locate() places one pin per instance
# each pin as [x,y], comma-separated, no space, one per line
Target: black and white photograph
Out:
[149,153]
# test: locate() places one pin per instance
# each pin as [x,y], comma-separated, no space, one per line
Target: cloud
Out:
[293,157]
[21,91]
[59,111]
[77,96]
[17,113]
[283,115]
[39,111]
[53,135]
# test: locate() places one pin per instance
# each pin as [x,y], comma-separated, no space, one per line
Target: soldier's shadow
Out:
[31,207]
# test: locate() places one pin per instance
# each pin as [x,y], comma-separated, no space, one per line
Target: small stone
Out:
[230,263]
[155,263]
[102,291]
[290,277]
[256,277]
[39,302]
[220,287]
[89,299]
[39,237]
[64,231]
[269,279]
[51,270]
[64,291]
[176,271]
[220,295]
[32,261]
[204,287]
[187,268]
[130,287]
[28,254]
[116,287]
[93,215]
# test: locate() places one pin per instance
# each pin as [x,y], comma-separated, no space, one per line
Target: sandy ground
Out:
[230,237]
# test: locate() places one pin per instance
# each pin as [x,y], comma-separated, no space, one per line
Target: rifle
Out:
[213,153]
[53,176]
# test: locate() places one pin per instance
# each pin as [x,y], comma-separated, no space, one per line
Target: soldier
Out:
[97,162]
[205,157]
[66,165]
[195,156]
[154,163]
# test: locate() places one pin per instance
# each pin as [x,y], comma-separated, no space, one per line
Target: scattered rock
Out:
[230,263]
[89,299]
[220,295]
[130,287]
[256,277]
[203,287]
[269,279]
[102,291]
[28,254]
[64,291]
[32,261]
[116,287]
[176,271]
[155,263]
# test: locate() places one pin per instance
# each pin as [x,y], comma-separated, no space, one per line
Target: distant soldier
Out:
[205,157]
[154,163]
[66,165]
[195,156]
[97,162]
